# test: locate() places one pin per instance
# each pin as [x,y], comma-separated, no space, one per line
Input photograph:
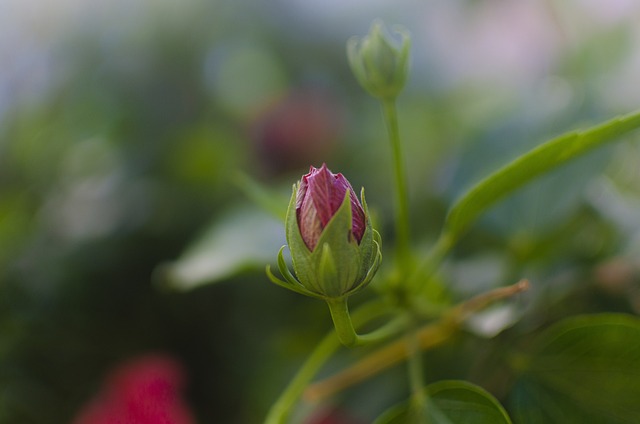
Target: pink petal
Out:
[319,197]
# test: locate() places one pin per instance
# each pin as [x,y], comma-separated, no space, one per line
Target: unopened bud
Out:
[379,62]
[334,249]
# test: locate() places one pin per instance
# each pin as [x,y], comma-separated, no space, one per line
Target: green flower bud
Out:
[379,62]
[334,249]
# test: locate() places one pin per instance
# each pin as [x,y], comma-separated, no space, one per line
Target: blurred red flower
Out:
[301,128]
[145,390]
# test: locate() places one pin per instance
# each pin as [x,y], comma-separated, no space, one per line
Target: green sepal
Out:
[290,282]
[374,267]
[284,269]
[345,251]
[300,253]
[328,274]
[279,282]
[371,241]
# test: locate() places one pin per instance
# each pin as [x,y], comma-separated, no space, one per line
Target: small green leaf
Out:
[451,402]
[531,165]
[582,370]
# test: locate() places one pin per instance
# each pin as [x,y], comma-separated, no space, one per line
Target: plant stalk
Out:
[281,409]
[346,331]
[401,193]
[416,374]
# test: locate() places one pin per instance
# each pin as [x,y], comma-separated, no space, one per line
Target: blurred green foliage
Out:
[129,152]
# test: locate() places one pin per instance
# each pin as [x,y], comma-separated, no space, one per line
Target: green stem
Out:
[402,198]
[342,322]
[416,373]
[346,331]
[281,409]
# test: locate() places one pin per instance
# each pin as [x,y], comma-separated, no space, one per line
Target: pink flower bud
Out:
[334,249]
[319,197]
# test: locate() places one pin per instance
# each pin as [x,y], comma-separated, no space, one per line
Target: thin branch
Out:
[429,336]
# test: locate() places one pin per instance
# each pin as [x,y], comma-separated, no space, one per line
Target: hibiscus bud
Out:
[379,62]
[319,197]
[334,249]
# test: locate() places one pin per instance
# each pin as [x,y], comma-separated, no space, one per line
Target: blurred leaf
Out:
[621,207]
[204,156]
[238,88]
[529,166]
[15,218]
[244,238]
[451,402]
[583,369]
[269,200]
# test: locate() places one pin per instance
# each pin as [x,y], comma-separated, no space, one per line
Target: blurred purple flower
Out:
[295,130]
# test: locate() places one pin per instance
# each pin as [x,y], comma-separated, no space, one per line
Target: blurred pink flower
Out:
[298,129]
[145,390]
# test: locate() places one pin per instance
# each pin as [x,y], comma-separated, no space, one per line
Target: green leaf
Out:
[531,165]
[244,238]
[269,200]
[451,402]
[583,370]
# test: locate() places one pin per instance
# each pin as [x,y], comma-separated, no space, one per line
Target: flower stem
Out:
[346,332]
[281,409]
[401,197]
[416,373]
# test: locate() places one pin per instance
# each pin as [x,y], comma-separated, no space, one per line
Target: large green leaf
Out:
[451,402]
[531,165]
[244,238]
[583,370]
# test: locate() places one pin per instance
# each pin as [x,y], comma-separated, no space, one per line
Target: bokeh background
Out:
[134,136]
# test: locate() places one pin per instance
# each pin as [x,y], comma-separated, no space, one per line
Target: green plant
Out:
[580,369]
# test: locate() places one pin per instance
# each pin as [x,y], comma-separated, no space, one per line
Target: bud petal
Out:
[319,196]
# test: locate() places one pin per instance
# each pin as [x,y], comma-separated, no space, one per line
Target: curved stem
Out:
[402,198]
[342,322]
[280,410]
[346,332]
